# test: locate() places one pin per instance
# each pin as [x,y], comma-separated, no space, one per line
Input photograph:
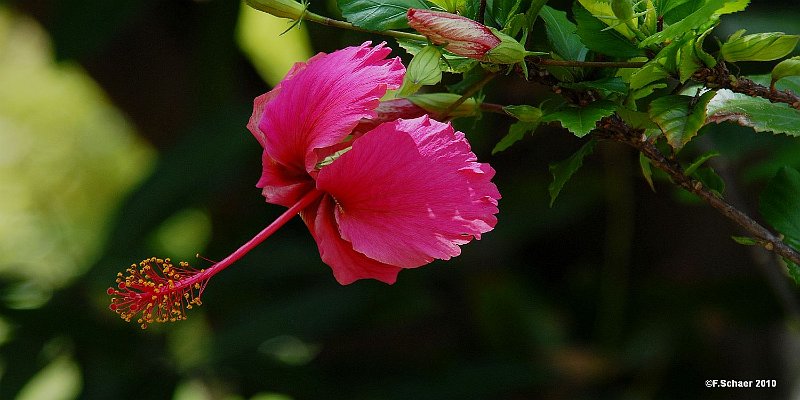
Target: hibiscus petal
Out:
[411,191]
[321,103]
[347,264]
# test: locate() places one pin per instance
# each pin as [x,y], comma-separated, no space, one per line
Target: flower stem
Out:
[304,202]
[158,291]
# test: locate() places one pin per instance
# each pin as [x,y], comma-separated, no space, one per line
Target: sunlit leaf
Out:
[700,51]
[609,42]
[690,22]
[758,47]
[689,62]
[680,117]
[602,11]
[581,120]
[732,6]
[755,112]
[786,68]
[563,170]
[379,15]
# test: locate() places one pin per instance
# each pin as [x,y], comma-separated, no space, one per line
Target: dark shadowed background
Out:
[122,136]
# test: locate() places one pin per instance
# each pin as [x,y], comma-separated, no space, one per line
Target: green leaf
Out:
[689,62]
[758,47]
[524,113]
[435,103]
[754,112]
[780,204]
[788,83]
[423,70]
[563,171]
[647,170]
[687,24]
[608,42]
[379,15]
[581,120]
[601,9]
[448,63]
[612,84]
[700,161]
[665,6]
[710,179]
[701,53]
[651,72]
[451,6]
[680,117]
[533,11]
[515,133]
[502,10]
[793,270]
[732,6]
[745,240]
[528,117]
[636,119]
[561,34]
[786,68]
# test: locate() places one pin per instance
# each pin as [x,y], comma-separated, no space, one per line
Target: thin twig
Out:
[346,25]
[587,64]
[469,92]
[719,78]
[615,129]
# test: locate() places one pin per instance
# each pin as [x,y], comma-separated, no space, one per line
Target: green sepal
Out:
[509,51]
[423,70]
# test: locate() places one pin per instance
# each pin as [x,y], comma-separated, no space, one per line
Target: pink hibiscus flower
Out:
[376,200]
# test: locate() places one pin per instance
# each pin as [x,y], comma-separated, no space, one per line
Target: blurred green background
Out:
[122,136]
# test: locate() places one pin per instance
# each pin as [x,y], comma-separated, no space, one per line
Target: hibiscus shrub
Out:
[354,145]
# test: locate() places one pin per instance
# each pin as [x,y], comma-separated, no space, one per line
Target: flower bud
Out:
[280,8]
[465,37]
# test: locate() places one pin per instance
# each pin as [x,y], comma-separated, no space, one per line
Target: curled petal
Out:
[321,103]
[347,264]
[411,191]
